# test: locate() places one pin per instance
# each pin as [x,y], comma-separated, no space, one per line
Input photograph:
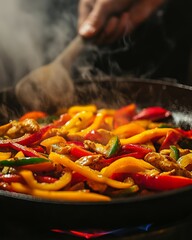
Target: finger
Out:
[99,16]
[122,28]
[141,11]
[84,9]
[117,29]
[108,31]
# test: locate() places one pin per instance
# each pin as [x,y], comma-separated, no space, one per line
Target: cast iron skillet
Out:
[154,208]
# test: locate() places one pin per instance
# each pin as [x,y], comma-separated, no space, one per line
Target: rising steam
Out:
[32,34]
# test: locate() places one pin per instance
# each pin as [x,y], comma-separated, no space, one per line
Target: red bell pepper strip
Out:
[76,178]
[39,149]
[94,136]
[78,143]
[135,148]
[79,152]
[10,177]
[45,179]
[152,113]
[171,139]
[28,152]
[33,138]
[185,133]
[160,182]
[62,120]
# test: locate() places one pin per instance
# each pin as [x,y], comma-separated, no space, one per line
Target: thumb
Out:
[95,21]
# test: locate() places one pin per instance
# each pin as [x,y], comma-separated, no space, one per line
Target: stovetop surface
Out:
[174,231]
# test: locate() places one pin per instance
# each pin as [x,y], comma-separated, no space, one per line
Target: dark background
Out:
[159,49]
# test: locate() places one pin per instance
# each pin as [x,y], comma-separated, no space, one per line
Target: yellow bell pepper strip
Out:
[128,130]
[78,122]
[153,113]
[96,123]
[5,155]
[4,128]
[52,140]
[79,108]
[185,161]
[77,196]
[87,171]
[57,185]
[126,165]
[146,136]
[124,115]
[160,182]
[19,155]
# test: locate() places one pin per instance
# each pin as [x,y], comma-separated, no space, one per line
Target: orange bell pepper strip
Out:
[33,115]
[128,130]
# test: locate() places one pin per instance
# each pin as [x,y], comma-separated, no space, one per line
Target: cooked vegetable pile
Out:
[85,153]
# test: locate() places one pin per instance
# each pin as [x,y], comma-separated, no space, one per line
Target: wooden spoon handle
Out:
[71,52]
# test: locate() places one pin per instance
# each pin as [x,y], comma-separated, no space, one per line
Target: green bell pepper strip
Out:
[108,150]
[112,146]
[22,161]
[174,152]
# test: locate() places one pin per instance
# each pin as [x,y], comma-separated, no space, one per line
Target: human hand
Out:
[106,21]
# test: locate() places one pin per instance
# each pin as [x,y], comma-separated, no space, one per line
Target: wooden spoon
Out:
[50,87]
